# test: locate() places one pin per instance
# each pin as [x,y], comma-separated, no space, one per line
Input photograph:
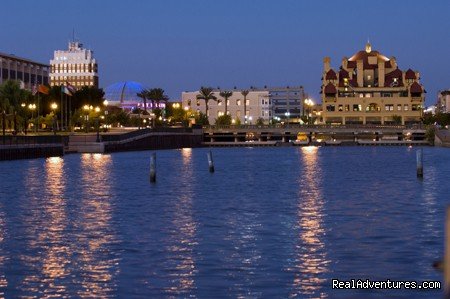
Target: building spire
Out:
[368,46]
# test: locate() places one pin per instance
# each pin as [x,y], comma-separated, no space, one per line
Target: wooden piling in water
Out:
[419,158]
[153,168]
[447,254]
[210,162]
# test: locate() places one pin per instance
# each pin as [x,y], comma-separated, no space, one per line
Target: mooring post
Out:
[447,254]
[419,158]
[210,162]
[153,168]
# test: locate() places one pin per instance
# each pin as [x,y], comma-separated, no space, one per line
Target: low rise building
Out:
[30,73]
[369,88]
[443,103]
[266,104]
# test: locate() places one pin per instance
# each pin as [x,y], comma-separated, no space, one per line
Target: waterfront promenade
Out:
[120,139]
[264,135]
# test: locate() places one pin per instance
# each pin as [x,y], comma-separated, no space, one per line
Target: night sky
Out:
[182,45]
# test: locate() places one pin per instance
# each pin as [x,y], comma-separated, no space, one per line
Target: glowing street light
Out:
[54,106]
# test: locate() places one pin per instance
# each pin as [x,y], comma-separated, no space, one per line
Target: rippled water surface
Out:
[270,223]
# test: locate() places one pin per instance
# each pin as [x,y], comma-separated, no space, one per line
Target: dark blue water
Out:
[269,223]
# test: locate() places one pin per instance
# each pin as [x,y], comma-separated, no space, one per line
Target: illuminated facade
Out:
[76,66]
[369,88]
[443,103]
[268,103]
[29,73]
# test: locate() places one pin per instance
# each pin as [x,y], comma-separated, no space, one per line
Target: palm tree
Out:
[158,96]
[245,94]
[226,94]
[206,94]
[143,95]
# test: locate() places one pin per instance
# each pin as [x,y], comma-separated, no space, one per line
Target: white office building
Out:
[76,66]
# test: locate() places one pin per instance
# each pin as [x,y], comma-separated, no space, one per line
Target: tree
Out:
[11,98]
[245,94]
[88,95]
[158,96]
[206,94]
[397,119]
[226,94]
[223,120]
[143,95]
[260,121]
[201,119]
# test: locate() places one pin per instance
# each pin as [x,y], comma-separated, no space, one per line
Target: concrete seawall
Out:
[157,141]
[15,152]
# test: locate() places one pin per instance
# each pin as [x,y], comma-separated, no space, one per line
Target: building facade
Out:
[443,103]
[369,88]
[287,103]
[267,104]
[28,72]
[76,66]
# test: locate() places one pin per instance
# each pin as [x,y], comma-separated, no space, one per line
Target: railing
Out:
[327,126]
[137,133]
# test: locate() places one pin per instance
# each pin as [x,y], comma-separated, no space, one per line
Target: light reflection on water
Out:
[56,252]
[311,261]
[182,236]
[3,255]
[268,223]
[97,263]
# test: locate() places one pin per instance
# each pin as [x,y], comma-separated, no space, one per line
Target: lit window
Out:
[406,107]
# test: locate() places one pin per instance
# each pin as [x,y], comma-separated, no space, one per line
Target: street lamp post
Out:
[32,107]
[54,106]
[105,103]
[4,125]
[23,105]
[86,117]
[97,122]
[308,103]
[287,118]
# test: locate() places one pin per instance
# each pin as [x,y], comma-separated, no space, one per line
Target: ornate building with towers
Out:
[369,88]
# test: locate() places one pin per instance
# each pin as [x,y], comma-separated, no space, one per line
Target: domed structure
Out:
[124,94]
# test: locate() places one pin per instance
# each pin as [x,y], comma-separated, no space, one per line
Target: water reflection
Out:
[186,153]
[46,223]
[98,262]
[55,258]
[311,262]
[3,254]
[183,234]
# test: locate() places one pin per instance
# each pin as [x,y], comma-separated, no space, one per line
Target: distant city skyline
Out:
[182,45]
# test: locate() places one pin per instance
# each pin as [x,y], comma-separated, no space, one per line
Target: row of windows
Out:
[264,102]
[73,68]
[238,102]
[25,77]
[72,78]
[57,83]
[373,107]
[239,114]
[349,94]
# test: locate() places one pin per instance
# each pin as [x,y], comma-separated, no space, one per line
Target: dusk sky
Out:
[182,45]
